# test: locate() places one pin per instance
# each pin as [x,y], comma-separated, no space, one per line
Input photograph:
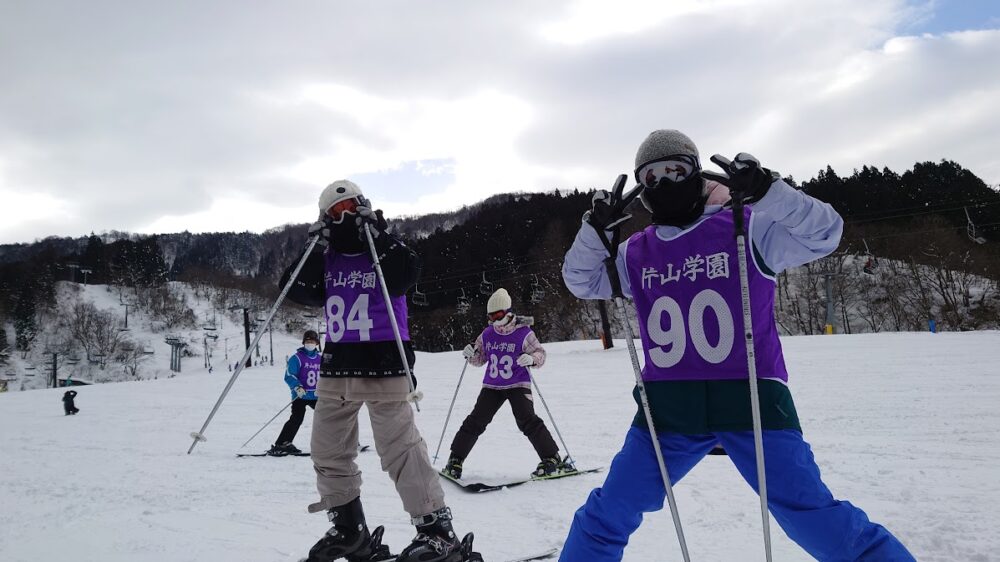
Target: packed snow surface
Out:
[906,426]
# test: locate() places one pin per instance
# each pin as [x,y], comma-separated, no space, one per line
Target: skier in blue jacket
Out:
[301,375]
[682,275]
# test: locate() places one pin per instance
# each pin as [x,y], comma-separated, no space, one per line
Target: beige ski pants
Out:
[403,452]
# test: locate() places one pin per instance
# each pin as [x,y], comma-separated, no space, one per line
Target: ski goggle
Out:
[676,168]
[341,208]
[494,316]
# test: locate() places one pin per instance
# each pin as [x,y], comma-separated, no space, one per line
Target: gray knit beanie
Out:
[662,143]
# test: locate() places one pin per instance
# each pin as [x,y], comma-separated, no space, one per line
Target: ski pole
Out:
[629,338]
[611,266]
[267,424]
[758,434]
[448,417]
[200,435]
[413,396]
[549,412]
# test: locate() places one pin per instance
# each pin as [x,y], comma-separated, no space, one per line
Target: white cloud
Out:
[182,117]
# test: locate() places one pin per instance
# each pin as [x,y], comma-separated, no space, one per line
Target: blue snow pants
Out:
[828,529]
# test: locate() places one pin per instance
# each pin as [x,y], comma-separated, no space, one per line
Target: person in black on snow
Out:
[68,404]
[301,375]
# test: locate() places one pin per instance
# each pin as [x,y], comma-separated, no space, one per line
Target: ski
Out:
[539,556]
[302,454]
[361,449]
[481,487]
[544,555]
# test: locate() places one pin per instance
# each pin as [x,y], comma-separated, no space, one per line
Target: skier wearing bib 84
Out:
[362,365]
[508,348]
[682,273]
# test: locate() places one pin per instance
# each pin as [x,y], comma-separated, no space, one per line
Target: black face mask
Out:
[346,237]
[676,203]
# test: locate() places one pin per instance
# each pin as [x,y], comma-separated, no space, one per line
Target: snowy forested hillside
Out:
[903,425]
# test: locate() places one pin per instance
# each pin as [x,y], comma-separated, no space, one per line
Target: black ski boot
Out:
[453,469]
[547,467]
[282,449]
[436,541]
[349,538]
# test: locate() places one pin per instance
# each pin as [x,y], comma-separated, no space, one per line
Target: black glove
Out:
[743,176]
[321,228]
[376,222]
[371,217]
[607,210]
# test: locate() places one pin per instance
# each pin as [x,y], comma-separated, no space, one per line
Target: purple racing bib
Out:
[355,310]
[308,369]
[690,313]
[501,352]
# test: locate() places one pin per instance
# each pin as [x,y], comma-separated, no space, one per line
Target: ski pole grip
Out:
[737,198]
[611,265]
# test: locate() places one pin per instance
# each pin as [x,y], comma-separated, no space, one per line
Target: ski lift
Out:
[463,305]
[871,263]
[485,288]
[419,299]
[537,292]
[970,229]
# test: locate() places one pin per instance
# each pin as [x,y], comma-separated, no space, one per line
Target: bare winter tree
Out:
[98,332]
[130,355]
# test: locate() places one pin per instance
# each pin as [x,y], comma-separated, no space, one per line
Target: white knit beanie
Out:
[337,192]
[499,300]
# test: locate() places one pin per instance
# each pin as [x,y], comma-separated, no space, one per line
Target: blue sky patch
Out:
[409,180]
[958,15]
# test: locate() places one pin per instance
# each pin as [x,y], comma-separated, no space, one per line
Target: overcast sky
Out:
[233,115]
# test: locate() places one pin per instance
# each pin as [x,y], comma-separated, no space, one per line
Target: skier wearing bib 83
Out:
[682,273]
[508,348]
[362,365]
[301,375]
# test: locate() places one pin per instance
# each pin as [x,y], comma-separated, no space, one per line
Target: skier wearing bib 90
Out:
[301,376]
[508,348]
[682,273]
[362,366]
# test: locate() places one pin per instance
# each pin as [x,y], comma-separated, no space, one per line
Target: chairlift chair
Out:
[486,287]
[419,299]
[871,262]
[537,292]
[970,229]
[463,305]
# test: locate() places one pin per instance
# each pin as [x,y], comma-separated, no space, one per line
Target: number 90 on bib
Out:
[669,346]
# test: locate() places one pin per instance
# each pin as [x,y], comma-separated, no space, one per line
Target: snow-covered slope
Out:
[903,425]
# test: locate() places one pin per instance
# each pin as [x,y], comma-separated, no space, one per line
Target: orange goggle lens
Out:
[340,208]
